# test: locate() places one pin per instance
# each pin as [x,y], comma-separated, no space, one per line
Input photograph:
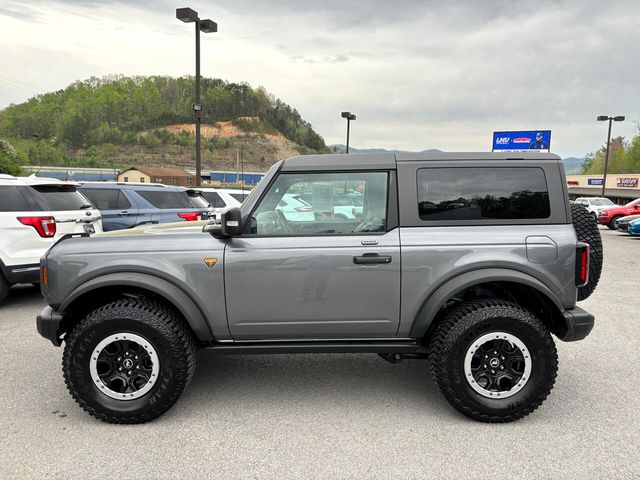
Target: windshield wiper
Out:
[85,206]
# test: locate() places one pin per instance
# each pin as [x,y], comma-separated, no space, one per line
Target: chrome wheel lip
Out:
[477,343]
[116,337]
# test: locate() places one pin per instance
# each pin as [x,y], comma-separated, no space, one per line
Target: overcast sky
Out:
[421,74]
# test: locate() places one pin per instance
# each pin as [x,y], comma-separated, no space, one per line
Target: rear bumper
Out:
[48,323]
[579,324]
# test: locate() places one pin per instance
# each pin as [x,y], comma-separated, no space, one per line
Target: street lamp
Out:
[188,15]
[604,118]
[349,116]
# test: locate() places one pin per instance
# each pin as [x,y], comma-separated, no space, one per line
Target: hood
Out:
[158,228]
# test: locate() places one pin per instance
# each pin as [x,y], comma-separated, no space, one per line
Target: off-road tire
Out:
[587,232]
[4,287]
[162,327]
[456,333]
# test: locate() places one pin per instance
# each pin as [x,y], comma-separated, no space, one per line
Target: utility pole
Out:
[349,116]
[188,15]
[604,118]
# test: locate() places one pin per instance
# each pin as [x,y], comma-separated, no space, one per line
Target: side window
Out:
[323,203]
[11,200]
[482,193]
[166,198]
[106,198]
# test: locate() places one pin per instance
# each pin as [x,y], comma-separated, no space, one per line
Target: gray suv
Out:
[472,261]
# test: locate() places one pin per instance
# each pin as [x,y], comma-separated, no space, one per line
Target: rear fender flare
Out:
[451,287]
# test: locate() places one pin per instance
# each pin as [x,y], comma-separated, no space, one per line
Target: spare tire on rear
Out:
[587,231]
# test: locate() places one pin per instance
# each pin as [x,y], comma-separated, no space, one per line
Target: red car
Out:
[609,215]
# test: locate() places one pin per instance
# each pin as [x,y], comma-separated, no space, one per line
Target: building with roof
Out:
[166,175]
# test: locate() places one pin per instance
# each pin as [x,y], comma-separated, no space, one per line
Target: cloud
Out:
[418,74]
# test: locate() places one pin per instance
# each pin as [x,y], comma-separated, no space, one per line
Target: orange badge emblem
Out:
[211,262]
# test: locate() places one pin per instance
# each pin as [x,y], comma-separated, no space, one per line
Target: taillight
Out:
[582,264]
[190,217]
[45,226]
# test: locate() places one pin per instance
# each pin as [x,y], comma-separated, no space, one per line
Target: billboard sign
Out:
[522,141]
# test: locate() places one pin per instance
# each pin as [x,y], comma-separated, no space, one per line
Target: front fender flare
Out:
[163,288]
[451,287]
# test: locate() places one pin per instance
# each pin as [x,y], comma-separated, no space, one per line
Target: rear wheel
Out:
[587,232]
[4,287]
[493,360]
[128,361]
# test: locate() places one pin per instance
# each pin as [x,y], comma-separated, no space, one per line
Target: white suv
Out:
[222,199]
[594,204]
[34,213]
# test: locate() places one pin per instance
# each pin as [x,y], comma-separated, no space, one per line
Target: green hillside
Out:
[120,121]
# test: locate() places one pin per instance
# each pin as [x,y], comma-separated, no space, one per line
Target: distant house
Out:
[166,175]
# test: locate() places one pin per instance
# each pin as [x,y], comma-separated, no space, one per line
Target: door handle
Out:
[371,258]
[123,213]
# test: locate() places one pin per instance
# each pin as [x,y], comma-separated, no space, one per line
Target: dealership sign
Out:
[531,140]
[627,182]
[594,181]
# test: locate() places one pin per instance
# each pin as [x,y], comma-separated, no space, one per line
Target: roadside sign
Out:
[520,141]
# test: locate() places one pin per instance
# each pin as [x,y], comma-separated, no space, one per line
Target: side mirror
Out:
[231,222]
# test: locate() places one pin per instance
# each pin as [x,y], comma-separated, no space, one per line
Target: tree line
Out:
[624,157]
[114,110]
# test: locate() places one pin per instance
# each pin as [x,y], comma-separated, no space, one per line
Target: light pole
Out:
[349,116]
[604,118]
[188,15]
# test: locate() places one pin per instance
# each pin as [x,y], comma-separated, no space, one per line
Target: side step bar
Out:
[318,347]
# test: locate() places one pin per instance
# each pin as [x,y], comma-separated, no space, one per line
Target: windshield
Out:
[601,201]
[633,202]
[60,198]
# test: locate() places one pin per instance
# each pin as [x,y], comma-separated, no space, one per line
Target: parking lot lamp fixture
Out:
[604,118]
[349,116]
[188,15]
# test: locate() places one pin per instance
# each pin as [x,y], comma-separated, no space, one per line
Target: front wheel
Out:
[493,360]
[128,361]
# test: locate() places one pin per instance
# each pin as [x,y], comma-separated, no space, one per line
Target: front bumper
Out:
[579,324]
[48,323]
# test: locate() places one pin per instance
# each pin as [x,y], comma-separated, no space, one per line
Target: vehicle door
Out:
[118,212]
[318,277]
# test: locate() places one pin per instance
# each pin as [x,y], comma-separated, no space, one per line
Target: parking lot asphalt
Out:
[334,416]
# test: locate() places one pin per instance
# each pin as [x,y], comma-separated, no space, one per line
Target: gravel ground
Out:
[335,416]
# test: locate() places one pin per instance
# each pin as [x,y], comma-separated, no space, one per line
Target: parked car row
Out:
[609,215]
[35,212]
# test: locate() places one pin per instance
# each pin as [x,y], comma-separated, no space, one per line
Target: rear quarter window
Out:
[11,200]
[488,193]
